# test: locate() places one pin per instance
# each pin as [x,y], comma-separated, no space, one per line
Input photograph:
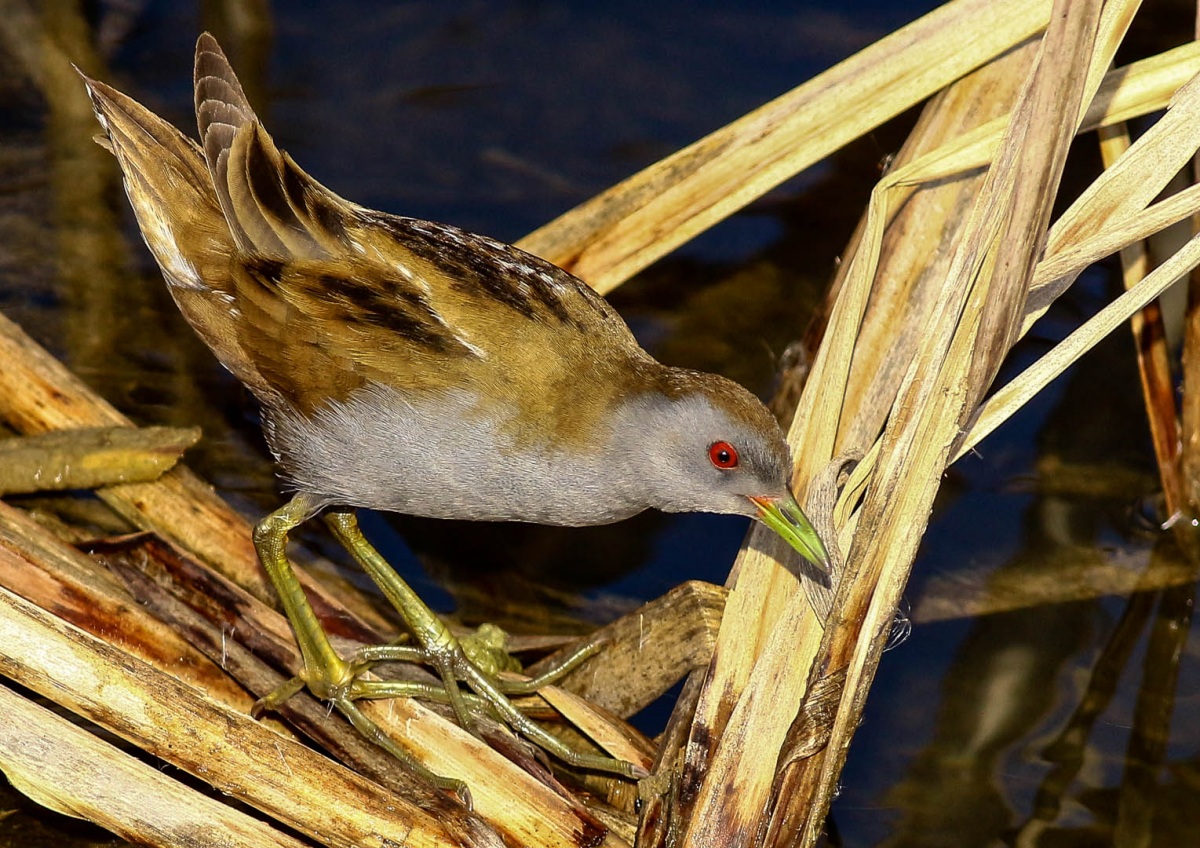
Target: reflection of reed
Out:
[1067,573]
[1070,749]
[82,243]
[91,254]
[1165,617]
[1140,795]
[999,690]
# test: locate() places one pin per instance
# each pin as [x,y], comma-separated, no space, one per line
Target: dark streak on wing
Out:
[381,304]
[293,184]
[302,195]
[385,303]
[521,281]
[263,180]
[468,269]
[266,271]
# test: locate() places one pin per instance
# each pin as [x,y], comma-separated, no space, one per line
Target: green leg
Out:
[326,674]
[445,654]
[374,733]
[441,649]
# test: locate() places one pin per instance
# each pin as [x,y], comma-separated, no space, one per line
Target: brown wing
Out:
[332,296]
[321,330]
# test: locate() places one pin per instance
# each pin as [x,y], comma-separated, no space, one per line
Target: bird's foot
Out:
[470,669]
[339,683]
[487,648]
[478,662]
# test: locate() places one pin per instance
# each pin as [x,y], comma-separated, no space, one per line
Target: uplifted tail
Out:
[273,208]
[168,184]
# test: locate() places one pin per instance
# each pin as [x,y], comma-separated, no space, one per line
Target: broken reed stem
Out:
[52,574]
[90,457]
[55,576]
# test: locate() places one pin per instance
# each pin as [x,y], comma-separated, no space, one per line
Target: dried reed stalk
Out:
[1150,344]
[1189,460]
[974,324]
[234,753]
[69,770]
[624,229]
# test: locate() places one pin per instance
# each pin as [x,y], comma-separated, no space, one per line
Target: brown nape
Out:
[729,396]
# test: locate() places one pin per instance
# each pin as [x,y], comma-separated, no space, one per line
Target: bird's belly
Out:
[439,457]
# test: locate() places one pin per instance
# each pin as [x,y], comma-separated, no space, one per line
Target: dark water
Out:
[1066,720]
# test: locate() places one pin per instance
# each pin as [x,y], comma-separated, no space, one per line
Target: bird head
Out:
[698,442]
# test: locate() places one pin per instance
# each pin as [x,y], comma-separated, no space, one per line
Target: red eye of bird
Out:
[723,455]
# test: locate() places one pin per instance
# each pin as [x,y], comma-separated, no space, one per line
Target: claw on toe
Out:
[270,701]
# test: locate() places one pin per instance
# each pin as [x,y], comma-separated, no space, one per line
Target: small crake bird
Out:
[410,366]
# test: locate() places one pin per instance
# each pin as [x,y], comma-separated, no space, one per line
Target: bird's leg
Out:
[444,652]
[325,673]
[439,647]
[408,653]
